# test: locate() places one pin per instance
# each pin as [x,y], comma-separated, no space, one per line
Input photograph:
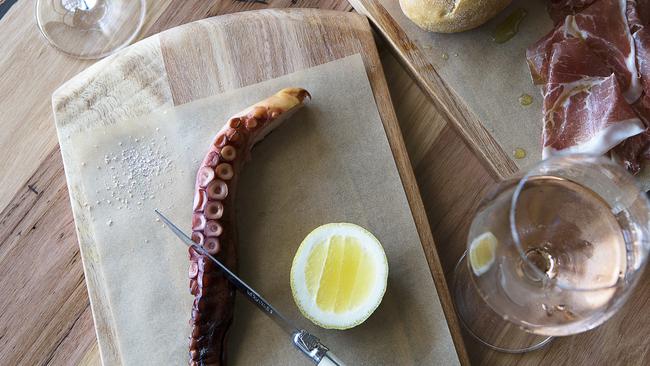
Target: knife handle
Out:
[330,359]
[311,347]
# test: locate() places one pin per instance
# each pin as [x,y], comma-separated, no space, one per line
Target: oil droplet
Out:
[445,56]
[525,100]
[509,27]
[519,153]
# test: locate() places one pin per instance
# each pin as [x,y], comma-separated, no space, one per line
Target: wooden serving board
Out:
[621,340]
[476,81]
[219,54]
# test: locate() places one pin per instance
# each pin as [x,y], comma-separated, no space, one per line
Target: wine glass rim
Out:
[93,56]
[515,198]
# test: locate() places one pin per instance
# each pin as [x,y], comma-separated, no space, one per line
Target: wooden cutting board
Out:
[214,55]
[621,340]
[476,81]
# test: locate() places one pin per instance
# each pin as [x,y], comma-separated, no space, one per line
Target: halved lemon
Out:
[481,252]
[339,275]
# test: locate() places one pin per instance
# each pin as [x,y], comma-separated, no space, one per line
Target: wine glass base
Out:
[90,29]
[483,323]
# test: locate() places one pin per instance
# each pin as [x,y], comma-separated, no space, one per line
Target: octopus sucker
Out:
[213,221]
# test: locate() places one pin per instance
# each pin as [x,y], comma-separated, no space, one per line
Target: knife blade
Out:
[307,343]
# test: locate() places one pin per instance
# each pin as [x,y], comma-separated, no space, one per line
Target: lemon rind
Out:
[378,292]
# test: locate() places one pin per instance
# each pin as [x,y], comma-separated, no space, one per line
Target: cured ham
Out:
[595,79]
[604,28]
[584,109]
[559,9]
[638,14]
[632,151]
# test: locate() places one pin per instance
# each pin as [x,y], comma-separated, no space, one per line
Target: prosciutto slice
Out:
[584,109]
[604,27]
[638,14]
[592,68]
[559,9]
[632,151]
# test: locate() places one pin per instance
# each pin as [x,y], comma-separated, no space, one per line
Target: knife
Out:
[307,343]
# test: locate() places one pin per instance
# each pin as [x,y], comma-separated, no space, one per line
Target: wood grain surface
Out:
[44,310]
[210,56]
[466,123]
[452,199]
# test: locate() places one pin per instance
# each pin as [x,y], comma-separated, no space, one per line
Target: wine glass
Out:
[553,253]
[90,29]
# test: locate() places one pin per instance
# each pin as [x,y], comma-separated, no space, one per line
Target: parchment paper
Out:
[330,162]
[491,77]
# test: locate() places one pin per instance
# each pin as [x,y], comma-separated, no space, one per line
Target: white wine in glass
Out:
[553,253]
[90,29]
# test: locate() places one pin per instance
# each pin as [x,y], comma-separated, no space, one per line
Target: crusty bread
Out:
[450,16]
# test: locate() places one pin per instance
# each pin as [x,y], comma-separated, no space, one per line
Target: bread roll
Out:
[450,16]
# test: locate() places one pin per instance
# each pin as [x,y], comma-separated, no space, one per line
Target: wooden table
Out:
[45,315]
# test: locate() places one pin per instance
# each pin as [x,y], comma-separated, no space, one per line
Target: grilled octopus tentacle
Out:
[213,221]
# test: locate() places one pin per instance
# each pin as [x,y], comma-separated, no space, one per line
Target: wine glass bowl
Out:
[90,29]
[570,240]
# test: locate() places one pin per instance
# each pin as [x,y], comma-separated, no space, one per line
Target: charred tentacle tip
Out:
[298,93]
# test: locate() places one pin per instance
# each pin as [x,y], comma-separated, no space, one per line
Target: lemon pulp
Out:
[481,252]
[339,274]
